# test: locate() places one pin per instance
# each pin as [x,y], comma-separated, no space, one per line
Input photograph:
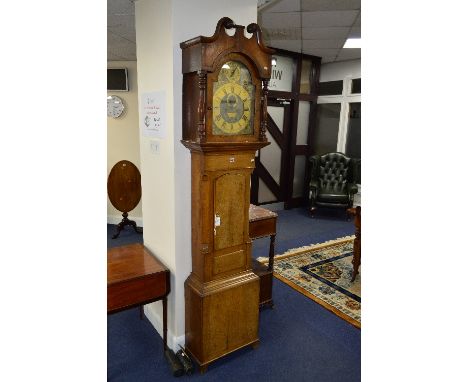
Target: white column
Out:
[161,25]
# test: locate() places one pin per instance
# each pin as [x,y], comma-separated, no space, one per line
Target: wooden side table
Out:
[262,222]
[135,277]
[356,211]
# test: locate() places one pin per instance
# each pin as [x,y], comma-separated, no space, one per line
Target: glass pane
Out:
[299,174]
[331,88]
[356,86]
[270,156]
[325,135]
[353,138]
[233,100]
[303,123]
[277,115]
[282,74]
[264,193]
[305,76]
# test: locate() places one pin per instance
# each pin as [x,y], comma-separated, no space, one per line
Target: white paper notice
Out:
[153,114]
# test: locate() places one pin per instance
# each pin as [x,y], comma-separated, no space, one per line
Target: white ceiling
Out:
[317,27]
[121,36]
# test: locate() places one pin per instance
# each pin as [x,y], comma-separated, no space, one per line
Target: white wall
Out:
[123,140]
[161,25]
[335,71]
[154,58]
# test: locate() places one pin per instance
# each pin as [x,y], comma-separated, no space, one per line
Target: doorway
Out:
[269,179]
[281,173]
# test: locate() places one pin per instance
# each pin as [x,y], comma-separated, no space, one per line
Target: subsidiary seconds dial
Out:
[115,106]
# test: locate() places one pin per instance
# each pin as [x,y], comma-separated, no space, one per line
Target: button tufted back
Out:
[334,172]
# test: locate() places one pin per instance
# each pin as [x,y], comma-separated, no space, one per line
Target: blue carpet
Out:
[299,340]
[127,236]
[295,228]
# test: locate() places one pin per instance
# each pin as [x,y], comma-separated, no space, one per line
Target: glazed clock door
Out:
[233,100]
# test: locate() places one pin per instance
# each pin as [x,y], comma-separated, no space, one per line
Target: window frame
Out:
[344,99]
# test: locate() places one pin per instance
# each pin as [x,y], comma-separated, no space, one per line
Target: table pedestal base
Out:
[125,221]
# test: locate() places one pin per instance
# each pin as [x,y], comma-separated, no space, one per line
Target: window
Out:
[356,86]
[353,136]
[282,74]
[339,121]
[325,135]
[331,88]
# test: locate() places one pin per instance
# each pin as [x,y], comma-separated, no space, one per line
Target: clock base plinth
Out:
[221,316]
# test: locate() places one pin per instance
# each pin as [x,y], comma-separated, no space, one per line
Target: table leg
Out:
[356,255]
[271,254]
[357,243]
[164,301]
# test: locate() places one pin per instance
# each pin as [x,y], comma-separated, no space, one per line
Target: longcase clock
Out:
[224,123]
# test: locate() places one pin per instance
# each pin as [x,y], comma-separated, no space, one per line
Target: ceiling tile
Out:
[120,7]
[349,54]
[323,44]
[330,5]
[328,59]
[113,57]
[123,26]
[328,18]
[358,20]
[281,34]
[355,32]
[121,47]
[321,52]
[283,20]
[123,54]
[284,6]
[292,45]
[325,33]
[121,21]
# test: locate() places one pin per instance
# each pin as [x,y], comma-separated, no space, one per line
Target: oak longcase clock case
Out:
[224,123]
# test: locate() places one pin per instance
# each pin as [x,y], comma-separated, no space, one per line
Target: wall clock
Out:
[115,106]
[224,118]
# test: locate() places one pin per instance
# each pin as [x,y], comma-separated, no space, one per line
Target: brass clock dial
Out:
[233,100]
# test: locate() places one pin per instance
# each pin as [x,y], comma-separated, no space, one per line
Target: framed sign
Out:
[153,114]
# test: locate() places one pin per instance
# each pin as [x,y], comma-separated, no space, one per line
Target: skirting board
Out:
[173,342]
[116,219]
[279,206]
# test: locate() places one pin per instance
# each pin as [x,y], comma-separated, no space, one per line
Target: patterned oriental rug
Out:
[323,273]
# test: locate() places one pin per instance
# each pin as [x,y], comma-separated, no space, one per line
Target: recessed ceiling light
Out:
[352,43]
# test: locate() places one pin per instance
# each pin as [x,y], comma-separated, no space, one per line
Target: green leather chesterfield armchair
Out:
[332,181]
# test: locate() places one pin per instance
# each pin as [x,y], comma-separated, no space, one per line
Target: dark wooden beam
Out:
[268,179]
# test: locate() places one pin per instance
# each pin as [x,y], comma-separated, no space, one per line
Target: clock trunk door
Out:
[229,207]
